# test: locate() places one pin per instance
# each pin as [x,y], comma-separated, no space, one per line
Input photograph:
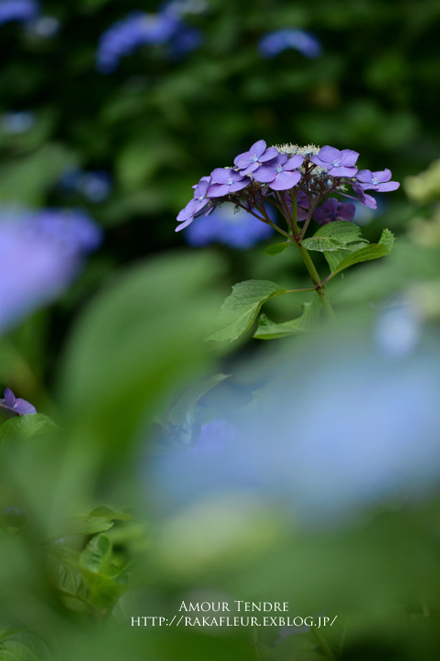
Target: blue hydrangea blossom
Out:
[274,43]
[18,10]
[139,29]
[40,254]
[229,225]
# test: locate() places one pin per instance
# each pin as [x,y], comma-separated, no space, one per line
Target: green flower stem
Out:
[309,263]
[316,281]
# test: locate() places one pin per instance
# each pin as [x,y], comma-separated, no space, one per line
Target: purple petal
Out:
[251,168]
[9,399]
[265,174]
[22,407]
[388,187]
[218,190]
[238,185]
[243,160]
[322,164]
[365,176]
[382,175]
[349,157]
[320,216]
[185,224]
[285,180]
[294,162]
[258,148]
[221,175]
[346,211]
[328,154]
[342,172]
[269,154]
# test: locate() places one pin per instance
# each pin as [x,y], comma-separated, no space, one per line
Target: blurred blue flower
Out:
[17,122]
[320,452]
[233,227]
[138,29]
[214,437]
[18,10]
[95,186]
[40,254]
[16,405]
[274,43]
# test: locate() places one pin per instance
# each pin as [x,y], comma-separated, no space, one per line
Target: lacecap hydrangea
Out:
[301,182]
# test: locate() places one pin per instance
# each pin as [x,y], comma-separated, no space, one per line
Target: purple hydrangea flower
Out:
[338,163]
[16,405]
[18,10]
[364,198]
[274,43]
[280,173]
[196,205]
[378,181]
[40,254]
[332,210]
[233,227]
[226,181]
[250,160]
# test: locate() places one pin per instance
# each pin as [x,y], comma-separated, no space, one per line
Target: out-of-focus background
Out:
[178,469]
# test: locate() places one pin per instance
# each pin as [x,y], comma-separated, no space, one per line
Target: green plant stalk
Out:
[316,281]
[309,263]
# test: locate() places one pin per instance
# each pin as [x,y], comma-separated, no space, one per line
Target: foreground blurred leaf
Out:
[23,646]
[137,343]
[189,398]
[240,309]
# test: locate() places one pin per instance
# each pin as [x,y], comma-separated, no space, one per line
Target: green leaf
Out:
[309,320]
[96,556]
[191,396]
[372,251]
[102,511]
[334,237]
[83,526]
[335,257]
[322,244]
[342,231]
[23,646]
[240,309]
[26,426]
[277,248]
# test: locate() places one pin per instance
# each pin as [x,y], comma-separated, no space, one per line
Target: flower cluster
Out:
[16,404]
[18,10]
[301,182]
[139,29]
[40,254]
[274,43]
